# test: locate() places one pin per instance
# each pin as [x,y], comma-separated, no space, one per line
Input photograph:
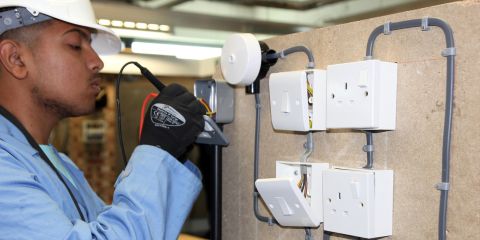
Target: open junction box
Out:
[357,202]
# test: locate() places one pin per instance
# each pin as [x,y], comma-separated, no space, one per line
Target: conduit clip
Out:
[311,65]
[270,221]
[447,52]
[370,57]
[368,148]
[386,28]
[443,186]
[425,26]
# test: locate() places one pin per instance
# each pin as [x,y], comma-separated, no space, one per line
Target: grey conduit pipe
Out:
[256,158]
[369,148]
[258,106]
[449,53]
[295,49]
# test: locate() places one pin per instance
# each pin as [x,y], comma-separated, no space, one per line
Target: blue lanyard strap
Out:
[35,145]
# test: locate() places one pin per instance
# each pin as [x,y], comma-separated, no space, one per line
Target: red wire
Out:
[142,114]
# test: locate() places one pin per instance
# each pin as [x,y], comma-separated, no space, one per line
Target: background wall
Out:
[413,151]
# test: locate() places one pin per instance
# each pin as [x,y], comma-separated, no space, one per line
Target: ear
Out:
[11,58]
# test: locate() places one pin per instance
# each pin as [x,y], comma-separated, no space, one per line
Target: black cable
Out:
[119,113]
[150,77]
[10,117]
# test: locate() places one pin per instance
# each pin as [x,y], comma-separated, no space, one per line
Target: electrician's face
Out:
[65,71]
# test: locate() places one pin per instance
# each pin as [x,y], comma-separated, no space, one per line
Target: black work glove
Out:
[173,120]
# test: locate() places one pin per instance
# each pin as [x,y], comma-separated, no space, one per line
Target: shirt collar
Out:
[11,134]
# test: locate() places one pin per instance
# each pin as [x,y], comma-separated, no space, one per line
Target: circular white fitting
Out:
[241,59]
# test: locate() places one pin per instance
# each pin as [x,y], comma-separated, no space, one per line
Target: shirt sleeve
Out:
[152,199]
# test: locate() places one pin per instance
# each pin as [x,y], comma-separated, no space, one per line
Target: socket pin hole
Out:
[345,213]
[329,200]
[333,95]
[339,195]
[361,204]
[366,93]
[346,86]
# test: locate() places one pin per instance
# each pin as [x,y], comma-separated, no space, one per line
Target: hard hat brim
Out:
[104,41]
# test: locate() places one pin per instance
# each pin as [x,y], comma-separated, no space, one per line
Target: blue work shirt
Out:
[152,197]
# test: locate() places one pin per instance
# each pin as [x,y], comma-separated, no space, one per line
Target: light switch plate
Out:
[292,106]
[285,200]
[358,202]
[362,95]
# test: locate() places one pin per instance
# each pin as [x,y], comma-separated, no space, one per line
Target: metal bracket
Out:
[443,186]
[386,28]
[449,52]
[368,148]
[425,26]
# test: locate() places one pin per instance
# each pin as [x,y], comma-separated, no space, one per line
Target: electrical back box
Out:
[358,202]
[362,95]
[219,96]
[298,100]
[285,200]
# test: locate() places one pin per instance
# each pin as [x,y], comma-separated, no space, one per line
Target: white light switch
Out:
[289,100]
[284,198]
[285,102]
[286,210]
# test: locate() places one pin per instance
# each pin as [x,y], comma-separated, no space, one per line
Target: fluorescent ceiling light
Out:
[117,23]
[104,22]
[141,25]
[153,27]
[179,51]
[164,28]
[132,33]
[129,24]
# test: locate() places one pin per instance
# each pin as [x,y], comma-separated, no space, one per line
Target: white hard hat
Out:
[78,12]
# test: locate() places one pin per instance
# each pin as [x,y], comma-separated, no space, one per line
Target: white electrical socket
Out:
[358,202]
[284,199]
[362,95]
[292,107]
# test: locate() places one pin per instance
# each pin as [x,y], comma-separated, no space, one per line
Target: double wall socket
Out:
[358,202]
[298,100]
[362,95]
[285,200]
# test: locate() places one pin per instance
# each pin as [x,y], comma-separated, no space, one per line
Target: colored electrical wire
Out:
[209,113]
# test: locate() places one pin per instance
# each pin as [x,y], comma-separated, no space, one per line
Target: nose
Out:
[94,62]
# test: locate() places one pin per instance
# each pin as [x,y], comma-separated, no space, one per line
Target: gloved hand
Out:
[173,120]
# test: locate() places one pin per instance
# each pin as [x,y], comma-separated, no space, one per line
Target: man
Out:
[49,71]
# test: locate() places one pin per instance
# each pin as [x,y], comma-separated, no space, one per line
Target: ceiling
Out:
[209,22]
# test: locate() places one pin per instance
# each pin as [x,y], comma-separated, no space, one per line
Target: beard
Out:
[59,108]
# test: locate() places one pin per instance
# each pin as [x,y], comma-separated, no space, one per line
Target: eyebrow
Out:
[81,32]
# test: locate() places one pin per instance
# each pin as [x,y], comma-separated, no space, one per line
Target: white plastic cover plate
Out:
[285,201]
[241,59]
[358,202]
[362,95]
[289,100]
